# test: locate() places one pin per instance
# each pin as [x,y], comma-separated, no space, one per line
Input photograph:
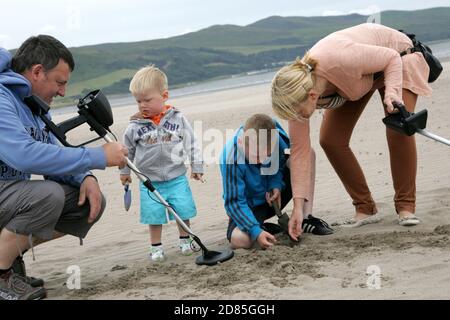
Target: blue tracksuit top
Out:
[245,185]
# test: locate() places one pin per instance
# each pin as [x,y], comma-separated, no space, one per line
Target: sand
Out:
[412,262]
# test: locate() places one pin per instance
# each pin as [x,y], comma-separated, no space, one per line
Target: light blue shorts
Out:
[176,192]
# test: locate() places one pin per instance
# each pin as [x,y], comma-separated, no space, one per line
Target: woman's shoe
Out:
[408,221]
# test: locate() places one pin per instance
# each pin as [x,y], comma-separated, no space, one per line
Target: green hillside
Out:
[223,50]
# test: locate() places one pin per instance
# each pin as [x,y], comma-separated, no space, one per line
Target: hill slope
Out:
[223,50]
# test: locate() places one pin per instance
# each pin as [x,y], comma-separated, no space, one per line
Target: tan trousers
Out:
[335,134]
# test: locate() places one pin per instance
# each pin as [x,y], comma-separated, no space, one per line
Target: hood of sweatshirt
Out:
[13,81]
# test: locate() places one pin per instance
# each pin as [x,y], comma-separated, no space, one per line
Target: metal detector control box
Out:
[94,109]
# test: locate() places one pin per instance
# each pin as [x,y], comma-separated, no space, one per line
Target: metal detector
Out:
[409,123]
[95,110]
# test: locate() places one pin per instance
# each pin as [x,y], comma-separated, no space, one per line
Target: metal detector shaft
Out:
[433,136]
[156,193]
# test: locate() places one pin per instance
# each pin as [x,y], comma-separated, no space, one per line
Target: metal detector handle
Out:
[149,185]
[402,108]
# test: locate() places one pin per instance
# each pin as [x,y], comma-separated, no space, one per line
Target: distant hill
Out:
[224,50]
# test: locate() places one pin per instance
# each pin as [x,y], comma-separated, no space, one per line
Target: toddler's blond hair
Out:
[147,79]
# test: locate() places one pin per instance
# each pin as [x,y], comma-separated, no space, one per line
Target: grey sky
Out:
[83,22]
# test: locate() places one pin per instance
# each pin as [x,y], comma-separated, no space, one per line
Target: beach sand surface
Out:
[412,263]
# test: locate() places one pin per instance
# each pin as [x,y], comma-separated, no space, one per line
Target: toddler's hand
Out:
[198,177]
[125,179]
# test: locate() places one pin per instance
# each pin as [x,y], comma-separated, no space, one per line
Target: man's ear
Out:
[36,71]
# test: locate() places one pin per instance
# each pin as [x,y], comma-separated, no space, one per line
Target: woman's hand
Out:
[389,102]
[295,222]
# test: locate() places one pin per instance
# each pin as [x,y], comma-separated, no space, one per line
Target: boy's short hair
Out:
[149,78]
[260,125]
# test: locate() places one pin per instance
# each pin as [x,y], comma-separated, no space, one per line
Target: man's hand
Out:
[266,240]
[91,190]
[115,154]
[295,223]
[274,195]
[125,179]
[198,177]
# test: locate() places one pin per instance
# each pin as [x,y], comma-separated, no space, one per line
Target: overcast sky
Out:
[83,22]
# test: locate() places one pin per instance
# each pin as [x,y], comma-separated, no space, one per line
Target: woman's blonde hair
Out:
[147,79]
[291,85]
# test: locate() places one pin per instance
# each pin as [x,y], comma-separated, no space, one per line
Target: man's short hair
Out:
[41,49]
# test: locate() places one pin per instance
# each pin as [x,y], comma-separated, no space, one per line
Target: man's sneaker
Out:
[316,226]
[186,247]
[19,268]
[157,254]
[15,287]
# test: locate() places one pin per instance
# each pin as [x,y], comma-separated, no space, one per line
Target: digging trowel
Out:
[283,219]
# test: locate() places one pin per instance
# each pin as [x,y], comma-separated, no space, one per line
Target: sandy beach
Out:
[414,262]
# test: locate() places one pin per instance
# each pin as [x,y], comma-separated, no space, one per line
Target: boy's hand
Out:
[274,195]
[125,179]
[266,240]
[198,177]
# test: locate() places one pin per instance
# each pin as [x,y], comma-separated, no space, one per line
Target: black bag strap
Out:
[410,50]
[416,44]
[432,61]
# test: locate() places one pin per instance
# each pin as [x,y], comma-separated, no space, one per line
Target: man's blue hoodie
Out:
[245,185]
[26,146]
